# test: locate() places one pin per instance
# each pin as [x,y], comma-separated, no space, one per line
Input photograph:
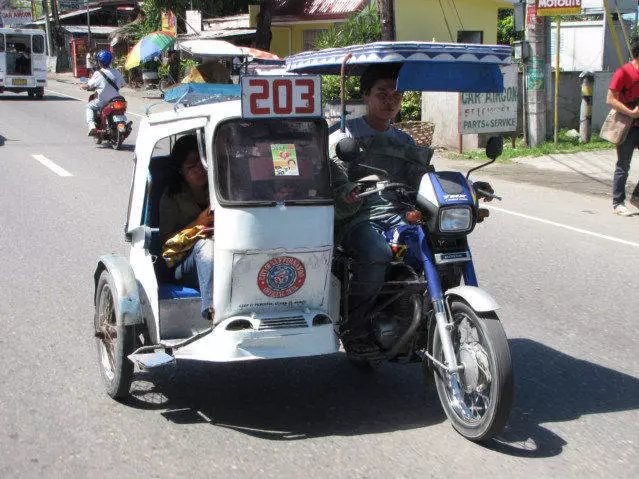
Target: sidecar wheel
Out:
[114,342]
[486,383]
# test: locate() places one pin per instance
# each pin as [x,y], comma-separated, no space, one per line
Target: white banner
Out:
[491,112]
[15,17]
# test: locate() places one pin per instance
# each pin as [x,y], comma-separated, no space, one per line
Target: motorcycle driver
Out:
[107,82]
[360,224]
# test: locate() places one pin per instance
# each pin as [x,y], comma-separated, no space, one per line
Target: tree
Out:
[387,17]
[263,33]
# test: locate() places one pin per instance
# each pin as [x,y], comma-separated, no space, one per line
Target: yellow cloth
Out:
[212,72]
[178,246]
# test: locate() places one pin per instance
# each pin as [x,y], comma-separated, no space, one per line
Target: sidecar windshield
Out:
[268,161]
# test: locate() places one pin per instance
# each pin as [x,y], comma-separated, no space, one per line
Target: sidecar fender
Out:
[477,298]
[127,307]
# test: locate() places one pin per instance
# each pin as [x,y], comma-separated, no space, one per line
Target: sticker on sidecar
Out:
[281,277]
[285,160]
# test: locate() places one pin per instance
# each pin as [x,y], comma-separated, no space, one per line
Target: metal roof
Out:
[316,7]
[95,30]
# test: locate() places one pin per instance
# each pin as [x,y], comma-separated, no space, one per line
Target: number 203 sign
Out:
[281,96]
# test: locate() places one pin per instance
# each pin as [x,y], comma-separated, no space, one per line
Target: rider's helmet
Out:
[104,58]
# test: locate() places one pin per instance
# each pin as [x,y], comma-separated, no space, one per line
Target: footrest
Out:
[152,360]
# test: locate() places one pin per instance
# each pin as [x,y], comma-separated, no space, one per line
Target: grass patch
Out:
[565,144]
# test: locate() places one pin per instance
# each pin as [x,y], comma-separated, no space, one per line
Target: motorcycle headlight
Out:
[452,220]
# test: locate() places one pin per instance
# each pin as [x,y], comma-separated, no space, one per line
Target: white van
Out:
[23,61]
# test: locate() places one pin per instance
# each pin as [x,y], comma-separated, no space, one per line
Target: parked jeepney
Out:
[23,61]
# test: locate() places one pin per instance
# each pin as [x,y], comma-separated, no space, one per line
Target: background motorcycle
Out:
[111,121]
[430,308]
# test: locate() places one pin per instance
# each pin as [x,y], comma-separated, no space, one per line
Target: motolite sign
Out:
[558,7]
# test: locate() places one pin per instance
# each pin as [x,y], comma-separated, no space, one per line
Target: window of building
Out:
[470,36]
[309,36]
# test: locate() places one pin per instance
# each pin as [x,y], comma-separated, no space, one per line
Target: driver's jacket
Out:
[404,164]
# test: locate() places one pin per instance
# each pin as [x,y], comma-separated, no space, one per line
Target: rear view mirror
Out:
[494,147]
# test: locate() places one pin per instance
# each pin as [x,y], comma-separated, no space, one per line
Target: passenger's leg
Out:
[198,267]
[368,248]
[92,106]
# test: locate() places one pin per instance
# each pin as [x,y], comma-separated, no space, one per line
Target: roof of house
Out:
[316,8]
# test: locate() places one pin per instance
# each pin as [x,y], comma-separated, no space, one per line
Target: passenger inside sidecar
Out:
[163,172]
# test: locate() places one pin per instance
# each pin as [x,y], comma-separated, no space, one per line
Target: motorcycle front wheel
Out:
[479,408]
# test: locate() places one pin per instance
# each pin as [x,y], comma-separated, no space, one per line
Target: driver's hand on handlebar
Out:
[485,186]
[353,196]
[85,86]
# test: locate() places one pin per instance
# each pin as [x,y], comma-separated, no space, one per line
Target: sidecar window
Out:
[269,161]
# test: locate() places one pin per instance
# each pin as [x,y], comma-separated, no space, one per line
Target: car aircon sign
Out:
[281,96]
[547,8]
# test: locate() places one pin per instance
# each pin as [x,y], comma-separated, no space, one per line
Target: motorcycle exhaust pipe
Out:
[410,332]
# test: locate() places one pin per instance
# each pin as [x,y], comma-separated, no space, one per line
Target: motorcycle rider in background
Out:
[106,82]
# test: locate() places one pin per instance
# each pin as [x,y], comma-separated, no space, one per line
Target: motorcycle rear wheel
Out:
[486,383]
[119,139]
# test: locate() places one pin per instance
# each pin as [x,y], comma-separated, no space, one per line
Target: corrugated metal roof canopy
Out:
[317,7]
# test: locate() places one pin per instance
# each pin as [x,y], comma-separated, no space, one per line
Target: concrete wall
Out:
[424,19]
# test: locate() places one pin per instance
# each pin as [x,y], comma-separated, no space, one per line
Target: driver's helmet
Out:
[104,58]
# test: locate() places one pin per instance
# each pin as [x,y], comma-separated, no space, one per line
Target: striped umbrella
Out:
[149,47]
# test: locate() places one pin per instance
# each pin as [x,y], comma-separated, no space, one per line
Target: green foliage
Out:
[358,29]
[411,109]
[566,144]
[185,66]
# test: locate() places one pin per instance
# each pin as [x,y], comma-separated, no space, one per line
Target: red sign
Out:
[547,8]
[281,96]
[281,277]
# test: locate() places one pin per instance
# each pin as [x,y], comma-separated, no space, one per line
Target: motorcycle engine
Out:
[392,321]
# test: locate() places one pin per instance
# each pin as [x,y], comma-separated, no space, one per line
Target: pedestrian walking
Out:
[91,64]
[623,96]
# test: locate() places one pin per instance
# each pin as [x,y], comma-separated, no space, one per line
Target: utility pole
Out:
[47,27]
[536,82]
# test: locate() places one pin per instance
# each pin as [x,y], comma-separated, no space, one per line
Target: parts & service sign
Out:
[558,7]
[491,112]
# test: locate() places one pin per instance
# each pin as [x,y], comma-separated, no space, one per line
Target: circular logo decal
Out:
[281,277]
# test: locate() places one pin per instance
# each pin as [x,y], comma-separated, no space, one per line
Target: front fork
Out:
[416,241]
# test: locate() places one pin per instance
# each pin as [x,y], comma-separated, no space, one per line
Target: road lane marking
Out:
[58,170]
[560,225]
[84,99]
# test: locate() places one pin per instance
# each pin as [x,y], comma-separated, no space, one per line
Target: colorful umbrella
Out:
[149,47]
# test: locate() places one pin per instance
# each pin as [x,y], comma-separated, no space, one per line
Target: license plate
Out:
[19,81]
[119,118]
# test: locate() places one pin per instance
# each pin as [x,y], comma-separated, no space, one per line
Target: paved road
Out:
[561,265]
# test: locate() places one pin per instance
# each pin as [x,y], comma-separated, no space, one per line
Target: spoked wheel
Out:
[479,404]
[114,342]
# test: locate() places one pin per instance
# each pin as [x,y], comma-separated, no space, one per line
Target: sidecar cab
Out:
[274,294]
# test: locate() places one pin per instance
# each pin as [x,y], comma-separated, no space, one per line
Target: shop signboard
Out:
[547,8]
[491,112]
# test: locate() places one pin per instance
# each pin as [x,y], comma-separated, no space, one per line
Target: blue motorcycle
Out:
[431,308]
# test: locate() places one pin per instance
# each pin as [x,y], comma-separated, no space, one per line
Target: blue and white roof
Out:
[426,66]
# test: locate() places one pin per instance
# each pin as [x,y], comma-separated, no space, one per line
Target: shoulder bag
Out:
[616,126]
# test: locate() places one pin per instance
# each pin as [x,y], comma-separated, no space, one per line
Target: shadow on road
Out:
[551,387]
[305,398]
[291,399]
